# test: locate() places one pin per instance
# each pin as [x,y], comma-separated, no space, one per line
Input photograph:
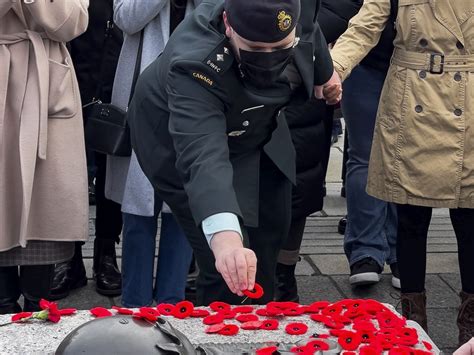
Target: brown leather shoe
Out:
[465,319]
[414,308]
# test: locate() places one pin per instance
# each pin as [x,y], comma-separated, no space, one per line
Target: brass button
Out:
[423,42]
[459,45]
[419,108]
[245,123]
[458,112]
[457,76]
[422,74]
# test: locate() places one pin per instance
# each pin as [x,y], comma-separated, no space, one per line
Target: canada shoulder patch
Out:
[203,78]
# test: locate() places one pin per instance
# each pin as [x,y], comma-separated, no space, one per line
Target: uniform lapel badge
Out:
[284,21]
[236,133]
[220,57]
[226,50]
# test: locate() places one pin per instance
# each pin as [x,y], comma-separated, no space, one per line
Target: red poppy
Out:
[147,313]
[121,310]
[262,312]
[214,328]
[256,293]
[407,336]
[348,353]
[165,309]
[317,345]
[149,310]
[427,345]
[386,341]
[270,324]
[336,332]
[369,350]
[301,350]
[349,340]
[243,309]
[389,320]
[353,313]
[317,307]
[373,306]
[220,306]
[321,336]
[296,328]
[183,309]
[367,336]
[228,314]
[21,317]
[52,310]
[400,351]
[420,352]
[67,311]
[213,319]
[253,325]
[339,318]
[44,304]
[200,313]
[243,318]
[332,323]
[363,325]
[332,309]
[229,329]
[269,350]
[292,312]
[100,312]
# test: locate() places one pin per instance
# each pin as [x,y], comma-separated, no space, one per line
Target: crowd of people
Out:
[229,107]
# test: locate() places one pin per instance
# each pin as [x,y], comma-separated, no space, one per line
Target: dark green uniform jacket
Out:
[199,129]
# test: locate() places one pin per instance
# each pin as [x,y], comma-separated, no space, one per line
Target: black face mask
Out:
[263,68]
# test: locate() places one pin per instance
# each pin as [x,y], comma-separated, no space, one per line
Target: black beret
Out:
[265,21]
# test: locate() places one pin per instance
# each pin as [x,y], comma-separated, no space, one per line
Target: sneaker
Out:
[395,275]
[365,272]
[341,226]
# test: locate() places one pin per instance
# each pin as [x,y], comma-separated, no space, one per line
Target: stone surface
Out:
[317,288]
[85,298]
[303,268]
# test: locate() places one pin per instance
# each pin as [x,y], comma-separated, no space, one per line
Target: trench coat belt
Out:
[435,63]
[41,63]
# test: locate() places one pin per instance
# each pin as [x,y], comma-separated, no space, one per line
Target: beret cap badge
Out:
[284,21]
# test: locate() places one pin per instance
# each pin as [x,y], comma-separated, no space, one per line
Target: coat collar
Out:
[19,12]
[445,14]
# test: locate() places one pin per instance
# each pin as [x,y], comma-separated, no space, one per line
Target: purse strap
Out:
[107,35]
[136,73]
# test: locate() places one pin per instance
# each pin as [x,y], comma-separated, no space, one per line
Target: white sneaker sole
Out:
[366,278]
[396,282]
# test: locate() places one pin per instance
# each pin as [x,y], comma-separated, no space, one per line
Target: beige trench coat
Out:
[43,179]
[423,148]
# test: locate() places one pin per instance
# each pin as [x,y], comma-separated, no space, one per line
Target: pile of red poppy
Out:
[359,326]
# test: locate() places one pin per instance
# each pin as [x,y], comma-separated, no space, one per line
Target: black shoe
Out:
[9,306]
[286,289]
[341,227]
[68,276]
[395,276]
[107,275]
[365,272]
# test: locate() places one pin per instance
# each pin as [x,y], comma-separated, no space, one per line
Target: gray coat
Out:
[126,183]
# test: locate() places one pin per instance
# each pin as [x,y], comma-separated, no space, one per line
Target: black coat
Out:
[199,130]
[95,53]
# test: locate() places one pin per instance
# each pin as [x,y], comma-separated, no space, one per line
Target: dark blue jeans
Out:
[138,260]
[371,223]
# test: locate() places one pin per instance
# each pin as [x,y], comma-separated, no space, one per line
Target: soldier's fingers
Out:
[241,264]
[232,269]
[222,268]
[251,269]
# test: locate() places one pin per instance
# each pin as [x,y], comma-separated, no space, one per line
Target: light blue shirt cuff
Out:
[220,222]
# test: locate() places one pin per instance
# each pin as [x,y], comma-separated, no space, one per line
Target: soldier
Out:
[208,126]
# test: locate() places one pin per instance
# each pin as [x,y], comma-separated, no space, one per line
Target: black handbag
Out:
[107,130]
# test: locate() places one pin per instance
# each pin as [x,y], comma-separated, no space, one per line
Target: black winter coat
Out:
[95,53]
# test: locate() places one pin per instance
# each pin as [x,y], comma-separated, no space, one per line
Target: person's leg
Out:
[390,230]
[35,284]
[463,224]
[286,288]
[108,226]
[174,258]
[413,224]
[9,290]
[274,224]
[364,241]
[138,256]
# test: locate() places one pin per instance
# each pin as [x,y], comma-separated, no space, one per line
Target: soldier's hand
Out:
[236,264]
[466,349]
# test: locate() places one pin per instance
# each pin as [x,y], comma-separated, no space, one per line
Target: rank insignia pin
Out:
[236,133]
[226,50]
[220,57]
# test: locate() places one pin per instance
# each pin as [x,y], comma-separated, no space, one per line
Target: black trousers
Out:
[34,282]
[265,240]
[108,223]
[413,224]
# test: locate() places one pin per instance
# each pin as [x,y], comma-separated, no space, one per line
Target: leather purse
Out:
[107,130]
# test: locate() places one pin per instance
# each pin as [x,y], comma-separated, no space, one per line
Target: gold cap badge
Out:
[284,21]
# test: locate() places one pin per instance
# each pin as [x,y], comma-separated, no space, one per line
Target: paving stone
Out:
[453,280]
[316,288]
[331,264]
[304,268]
[440,263]
[335,166]
[442,328]
[85,298]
